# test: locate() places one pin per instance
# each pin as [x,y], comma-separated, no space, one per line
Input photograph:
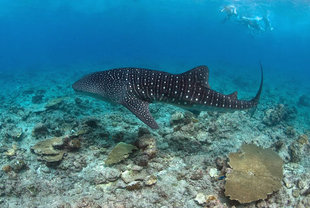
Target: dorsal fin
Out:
[199,74]
[233,96]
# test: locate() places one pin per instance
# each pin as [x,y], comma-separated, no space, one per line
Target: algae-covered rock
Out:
[134,185]
[256,173]
[130,175]
[120,152]
[150,180]
[40,130]
[16,134]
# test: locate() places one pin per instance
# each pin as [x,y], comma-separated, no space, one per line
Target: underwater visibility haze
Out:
[201,103]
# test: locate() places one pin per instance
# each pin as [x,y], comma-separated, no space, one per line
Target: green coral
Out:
[120,152]
[256,173]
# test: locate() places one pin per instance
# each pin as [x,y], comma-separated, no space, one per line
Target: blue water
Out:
[40,34]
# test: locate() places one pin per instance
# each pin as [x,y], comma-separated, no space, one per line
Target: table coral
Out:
[47,151]
[256,173]
[120,152]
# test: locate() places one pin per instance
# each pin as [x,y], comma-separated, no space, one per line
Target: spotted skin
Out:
[135,88]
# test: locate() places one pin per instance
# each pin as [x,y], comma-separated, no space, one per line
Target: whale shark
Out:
[136,88]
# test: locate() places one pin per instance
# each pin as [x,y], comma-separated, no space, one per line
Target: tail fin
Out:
[256,98]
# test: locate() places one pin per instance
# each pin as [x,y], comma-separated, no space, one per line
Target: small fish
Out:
[135,88]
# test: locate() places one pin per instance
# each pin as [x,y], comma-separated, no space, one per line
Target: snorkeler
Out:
[230,11]
[267,24]
[256,24]
[253,23]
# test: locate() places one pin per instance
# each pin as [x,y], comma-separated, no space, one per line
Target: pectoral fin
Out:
[141,109]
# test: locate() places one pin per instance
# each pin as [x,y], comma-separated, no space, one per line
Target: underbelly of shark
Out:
[135,88]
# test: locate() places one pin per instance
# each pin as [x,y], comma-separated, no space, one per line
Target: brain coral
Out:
[256,173]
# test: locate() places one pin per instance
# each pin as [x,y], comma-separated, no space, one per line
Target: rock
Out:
[37,99]
[18,165]
[78,101]
[12,151]
[130,175]
[7,168]
[301,184]
[92,122]
[296,193]
[142,160]
[120,152]
[54,104]
[111,174]
[177,118]
[143,131]
[296,151]
[210,198]
[74,144]
[135,167]
[303,139]
[150,180]
[197,174]
[213,172]
[32,189]
[40,130]
[45,169]
[64,205]
[148,145]
[304,100]
[134,185]
[288,183]
[200,198]
[290,131]
[278,114]
[16,134]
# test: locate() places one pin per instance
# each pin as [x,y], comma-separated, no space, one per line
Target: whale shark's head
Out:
[91,85]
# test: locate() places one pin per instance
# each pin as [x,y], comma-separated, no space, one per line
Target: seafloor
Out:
[186,157]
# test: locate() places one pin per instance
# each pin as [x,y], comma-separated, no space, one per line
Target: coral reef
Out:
[183,164]
[277,114]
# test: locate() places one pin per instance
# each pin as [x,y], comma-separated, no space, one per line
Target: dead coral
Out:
[120,152]
[256,173]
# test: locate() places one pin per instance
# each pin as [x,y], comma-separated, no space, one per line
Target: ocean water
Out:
[45,46]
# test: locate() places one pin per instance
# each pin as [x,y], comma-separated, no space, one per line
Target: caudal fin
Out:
[256,98]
